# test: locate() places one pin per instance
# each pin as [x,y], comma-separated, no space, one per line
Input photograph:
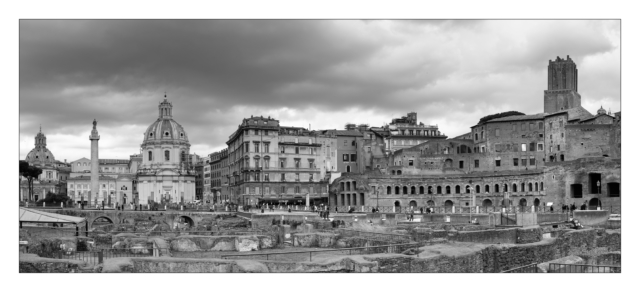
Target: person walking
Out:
[411,216]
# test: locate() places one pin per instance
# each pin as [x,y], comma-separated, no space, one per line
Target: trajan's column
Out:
[95,184]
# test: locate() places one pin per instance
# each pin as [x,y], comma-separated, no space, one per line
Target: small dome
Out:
[40,154]
[602,111]
[165,128]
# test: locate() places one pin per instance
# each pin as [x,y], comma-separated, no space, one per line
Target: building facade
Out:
[165,173]
[54,173]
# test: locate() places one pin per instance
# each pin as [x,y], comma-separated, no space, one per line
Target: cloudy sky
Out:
[318,72]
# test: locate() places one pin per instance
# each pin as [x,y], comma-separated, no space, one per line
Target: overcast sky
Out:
[318,72]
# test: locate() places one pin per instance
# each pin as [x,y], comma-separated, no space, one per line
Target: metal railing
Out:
[390,238]
[572,268]
[302,255]
[531,268]
[97,256]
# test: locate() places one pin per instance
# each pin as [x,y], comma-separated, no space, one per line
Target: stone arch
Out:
[413,204]
[514,188]
[523,202]
[594,203]
[413,190]
[487,189]
[393,172]
[102,217]
[448,204]
[496,188]
[397,204]
[448,163]
[399,172]
[487,203]
[536,202]
[431,203]
[186,219]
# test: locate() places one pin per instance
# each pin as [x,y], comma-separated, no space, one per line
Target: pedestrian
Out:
[421,210]
[551,208]
[336,208]
[327,214]
[411,216]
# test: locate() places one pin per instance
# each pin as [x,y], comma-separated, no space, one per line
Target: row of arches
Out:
[467,189]
[485,203]
[348,186]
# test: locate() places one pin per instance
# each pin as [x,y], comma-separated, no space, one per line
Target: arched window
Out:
[413,190]
[421,190]
[496,188]
[150,155]
[439,190]
[486,189]
[353,143]
[404,190]
[506,188]
[448,189]
[429,190]
[514,188]
[393,172]
[477,189]
[399,172]
[536,186]
[348,168]
[388,190]
[457,189]
[522,187]
[166,155]
[541,186]
[530,187]
[397,190]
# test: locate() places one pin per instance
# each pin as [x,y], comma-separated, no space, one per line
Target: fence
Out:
[98,256]
[532,268]
[303,255]
[390,238]
[452,210]
[572,268]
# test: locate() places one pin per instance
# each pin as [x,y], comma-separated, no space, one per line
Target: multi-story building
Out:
[219,179]
[206,178]
[117,181]
[275,164]
[406,132]
[199,179]
[54,173]
[565,155]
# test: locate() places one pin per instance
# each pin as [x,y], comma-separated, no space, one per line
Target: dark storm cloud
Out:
[220,71]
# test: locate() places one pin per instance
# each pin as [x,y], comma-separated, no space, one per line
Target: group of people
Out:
[324,214]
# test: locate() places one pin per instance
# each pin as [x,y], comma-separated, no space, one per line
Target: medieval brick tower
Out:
[562,89]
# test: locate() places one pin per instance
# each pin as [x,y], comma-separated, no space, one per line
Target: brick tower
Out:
[562,88]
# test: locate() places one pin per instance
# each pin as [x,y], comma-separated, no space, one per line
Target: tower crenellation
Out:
[562,86]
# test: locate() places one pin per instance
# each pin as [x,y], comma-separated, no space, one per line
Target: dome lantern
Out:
[164,109]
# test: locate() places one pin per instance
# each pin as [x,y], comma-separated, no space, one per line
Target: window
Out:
[297,177]
[345,157]
[523,127]
[345,142]
[166,155]
[150,156]
[523,161]
[283,190]
[561,135]
[514,128]
[246,147]
[558,147]
[461,164]
[523,147]
[497,162]
[477,163]
[256,176]
[353,157]
[256,147]
[515,162]
[297,161]
[482,135]
[410,162]
[266,163]
[476,136]
[497,132]
[282,178]
[532,146]
[297,150]
[539,125]
[257,132]
[311,177]
[560,124]
[256,162]
[532,160]
[368,149]
[540,147]
[530,126]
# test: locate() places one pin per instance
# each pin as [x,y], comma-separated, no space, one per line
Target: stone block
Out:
[184,244]
[326,239]
[267,241]
[247,243]
[305,239]
[528,235]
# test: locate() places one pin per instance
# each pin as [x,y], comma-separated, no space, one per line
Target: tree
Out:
[55,199]
[499,115]
[30,173]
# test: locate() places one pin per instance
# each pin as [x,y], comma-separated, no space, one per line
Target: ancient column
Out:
[95,184]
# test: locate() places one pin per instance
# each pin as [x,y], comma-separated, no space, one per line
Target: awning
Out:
[37,216]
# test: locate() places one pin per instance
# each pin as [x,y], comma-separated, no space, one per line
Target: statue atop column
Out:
[94,124]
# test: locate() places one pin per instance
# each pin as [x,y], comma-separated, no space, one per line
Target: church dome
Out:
[40,155]
[165,128]
[602,111]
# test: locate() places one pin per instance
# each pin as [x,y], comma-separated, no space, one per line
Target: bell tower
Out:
[562,86]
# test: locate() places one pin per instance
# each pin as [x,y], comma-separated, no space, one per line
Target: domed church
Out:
[54,173]
[165,174]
